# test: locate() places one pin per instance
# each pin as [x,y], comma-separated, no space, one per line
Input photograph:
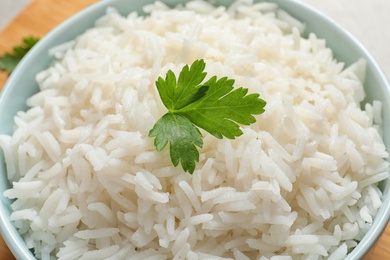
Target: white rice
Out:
[300,183]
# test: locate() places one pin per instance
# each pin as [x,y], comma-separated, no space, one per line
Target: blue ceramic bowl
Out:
[22,84]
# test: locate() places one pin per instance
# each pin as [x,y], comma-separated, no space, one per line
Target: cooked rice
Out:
[301,183]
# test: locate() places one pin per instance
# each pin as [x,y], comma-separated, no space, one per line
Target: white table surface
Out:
[9,9]
[366,20]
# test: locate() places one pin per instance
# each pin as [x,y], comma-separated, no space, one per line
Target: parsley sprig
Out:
[214,106]
[8,61]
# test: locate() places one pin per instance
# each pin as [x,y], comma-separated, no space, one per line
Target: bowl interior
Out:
[22,84]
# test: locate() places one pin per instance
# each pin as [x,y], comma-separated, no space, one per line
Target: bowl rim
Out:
[9,232]
[382,217]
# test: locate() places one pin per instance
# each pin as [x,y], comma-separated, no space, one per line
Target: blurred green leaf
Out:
[8,61]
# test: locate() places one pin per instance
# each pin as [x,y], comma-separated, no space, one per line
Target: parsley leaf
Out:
[8,61]
[183,136]
[177,94]
[221,109]
[214,106]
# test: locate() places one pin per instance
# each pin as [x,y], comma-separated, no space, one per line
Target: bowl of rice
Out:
[81,178]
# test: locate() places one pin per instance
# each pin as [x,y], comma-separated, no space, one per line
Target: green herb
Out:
[213,106]
[8,61]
